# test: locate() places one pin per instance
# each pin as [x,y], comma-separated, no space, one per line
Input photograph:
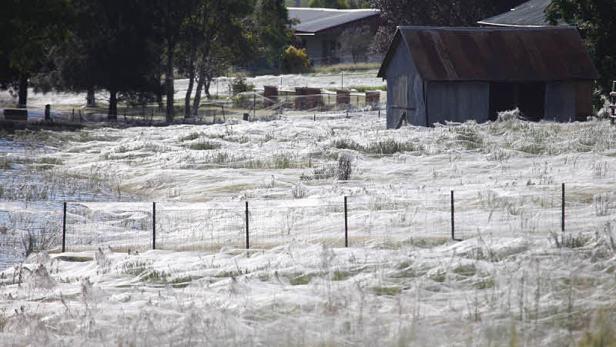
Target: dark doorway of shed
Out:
[502,98]
[532,100]
[529,97]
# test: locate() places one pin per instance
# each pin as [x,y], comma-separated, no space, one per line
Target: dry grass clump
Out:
[204,146]
[381,147]
[469,136]
[323,172]
[5,162]
[345,167]
[345,143]
[191,137]
[602,334]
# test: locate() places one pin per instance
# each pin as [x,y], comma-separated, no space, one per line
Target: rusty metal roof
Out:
[495,54]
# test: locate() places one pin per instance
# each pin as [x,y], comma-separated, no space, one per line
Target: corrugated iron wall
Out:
[458,101]
[405,88]
[583,100]
[560,101]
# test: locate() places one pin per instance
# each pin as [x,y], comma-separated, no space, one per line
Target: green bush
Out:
[239,85]
[295,60]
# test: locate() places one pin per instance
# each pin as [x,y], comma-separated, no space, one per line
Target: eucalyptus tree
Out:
[111,47]
[209,44]
[29,31]
[429,12]
[171,17]
[596,21]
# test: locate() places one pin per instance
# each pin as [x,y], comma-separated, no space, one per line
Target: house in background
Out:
[529,14]
[333,36]
[436,75]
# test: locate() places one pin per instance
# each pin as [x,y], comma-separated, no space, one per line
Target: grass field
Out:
[514,279]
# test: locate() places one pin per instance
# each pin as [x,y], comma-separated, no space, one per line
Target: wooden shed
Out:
[456,74]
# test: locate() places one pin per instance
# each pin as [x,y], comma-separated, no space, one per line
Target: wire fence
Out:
[246,106]
[222,86]
[356,221]
[26,227]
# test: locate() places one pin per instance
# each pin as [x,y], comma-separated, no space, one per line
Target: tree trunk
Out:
[189,89]
[22,102]
[197,100]
[112,114]
[91,98]
[208,83]
[160,91]
[169,82]
[159,97]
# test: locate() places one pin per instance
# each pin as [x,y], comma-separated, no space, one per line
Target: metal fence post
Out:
[346,224]
[64,229]
[247,228]
[562,204]
[453,218]
[153,225]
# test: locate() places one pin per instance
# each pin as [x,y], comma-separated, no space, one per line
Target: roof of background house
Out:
[314,20]
[495,54]
[528,14]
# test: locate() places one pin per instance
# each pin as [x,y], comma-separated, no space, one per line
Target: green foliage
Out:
[112,46]
[300,280]
[350,67]
[28,32]
[210,46]
[597,24]
[465,270]
[434,13]
[125,47]
[272,26]
[240,85]
[341,4]
[485,283]
[387,290]
[359,3]
[295,60]
[331,4]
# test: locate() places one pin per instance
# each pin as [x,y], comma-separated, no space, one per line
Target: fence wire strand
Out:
[516,212]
